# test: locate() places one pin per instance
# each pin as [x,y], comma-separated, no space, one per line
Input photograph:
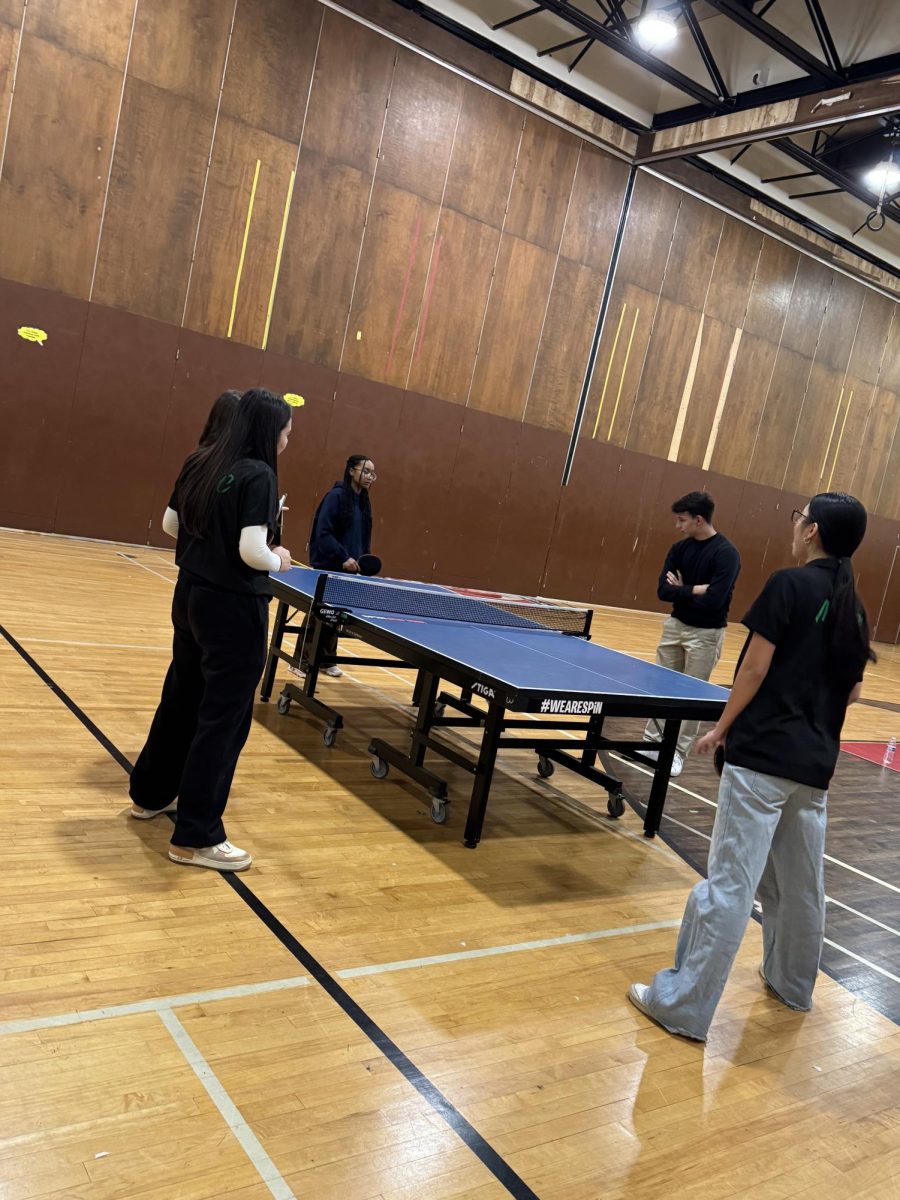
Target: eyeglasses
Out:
[366,473]
[797,515]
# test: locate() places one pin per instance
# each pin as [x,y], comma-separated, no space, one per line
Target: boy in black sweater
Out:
[698,580]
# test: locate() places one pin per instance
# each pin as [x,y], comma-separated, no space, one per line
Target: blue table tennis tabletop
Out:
[522,659]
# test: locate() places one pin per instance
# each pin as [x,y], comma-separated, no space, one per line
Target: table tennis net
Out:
[346,592]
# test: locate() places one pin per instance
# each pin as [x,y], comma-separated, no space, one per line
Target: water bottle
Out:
[889,751]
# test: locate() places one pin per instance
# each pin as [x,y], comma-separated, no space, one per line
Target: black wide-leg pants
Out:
[204,714]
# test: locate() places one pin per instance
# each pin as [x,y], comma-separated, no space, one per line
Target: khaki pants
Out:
[693,652]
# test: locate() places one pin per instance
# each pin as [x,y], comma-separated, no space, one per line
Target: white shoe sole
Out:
[239,864]
[147,814]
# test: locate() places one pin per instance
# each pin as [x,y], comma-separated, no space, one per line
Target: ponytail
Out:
[842,525]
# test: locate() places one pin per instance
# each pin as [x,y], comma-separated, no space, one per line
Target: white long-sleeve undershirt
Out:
[252,547]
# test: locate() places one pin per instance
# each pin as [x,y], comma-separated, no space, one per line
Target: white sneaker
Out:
[147,814]
[334,671]
[677,765]
[298,670]
[223,857]
[654,754]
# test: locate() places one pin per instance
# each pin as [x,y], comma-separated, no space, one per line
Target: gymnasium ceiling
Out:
[729,57]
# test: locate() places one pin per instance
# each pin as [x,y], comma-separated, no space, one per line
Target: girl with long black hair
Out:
[223,511]
[801,666]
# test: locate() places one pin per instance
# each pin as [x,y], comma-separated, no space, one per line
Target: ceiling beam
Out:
[825,171]
[776,40]
[628,48]
[823,33]
[840,105]
[712,67]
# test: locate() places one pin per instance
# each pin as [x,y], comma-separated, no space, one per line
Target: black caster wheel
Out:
[438,810]
[439,710]
[378,767]
[329,737]
[284,704]
[615,805]
[545,767]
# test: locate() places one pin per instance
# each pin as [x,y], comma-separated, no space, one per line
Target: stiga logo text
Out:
[483,690]
[580,708]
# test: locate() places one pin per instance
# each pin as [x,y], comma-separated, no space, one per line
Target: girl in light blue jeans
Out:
[801,665]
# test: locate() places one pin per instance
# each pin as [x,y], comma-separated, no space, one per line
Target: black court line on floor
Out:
[483,1151]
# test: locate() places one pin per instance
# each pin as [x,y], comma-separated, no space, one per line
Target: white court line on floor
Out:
[859,958]
[231,1114]
[134,563]
[155,1004]
[95,645]
[712,804]
[566,939]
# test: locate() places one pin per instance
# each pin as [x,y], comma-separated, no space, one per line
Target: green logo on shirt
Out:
[225,484]
[823,612]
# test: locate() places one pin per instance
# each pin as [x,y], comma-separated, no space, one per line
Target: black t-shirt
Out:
[792,726]
[713,561]
[245,495]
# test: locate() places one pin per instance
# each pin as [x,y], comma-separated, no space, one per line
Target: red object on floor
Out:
[873,752]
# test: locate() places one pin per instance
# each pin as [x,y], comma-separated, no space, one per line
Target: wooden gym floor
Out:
[373,1012]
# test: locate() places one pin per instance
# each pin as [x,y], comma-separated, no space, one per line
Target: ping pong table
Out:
[517,655]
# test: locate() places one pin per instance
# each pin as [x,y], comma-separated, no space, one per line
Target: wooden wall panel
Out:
[390,283]
[565,345]
[97,29]
[648,233]
[56,166]
[780,418]
[770,296]
[889,375]
[420,126]
[37,384]
[663,380]
[716,344]
[154,202]
[879,433]
[888,503]
[634,503]
[577,543]
[692,255]
[179,46]
[545,169]
[225,210]
[744,405]
[620,363]
[839,324]
[318,267]
[531,501]
[512,328]
[484,156]
[871,336]
[594,208]
[735,267]
[886,609]
[807,306]
[270,64]
[807,462]
[117,428]
[9,49]
[849,426]
[424,521]
[350,89]
[453,307]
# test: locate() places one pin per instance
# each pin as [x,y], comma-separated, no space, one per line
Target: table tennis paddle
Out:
[369,564]
[719,759]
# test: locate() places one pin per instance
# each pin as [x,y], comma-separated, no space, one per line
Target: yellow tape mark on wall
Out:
[637,313]
[612,355]
[240,266]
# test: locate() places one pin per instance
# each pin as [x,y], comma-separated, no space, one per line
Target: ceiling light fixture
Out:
[655,30]
[885,177]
